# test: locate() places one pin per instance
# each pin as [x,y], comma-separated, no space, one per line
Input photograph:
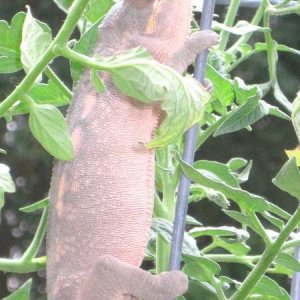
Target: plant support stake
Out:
[189,152]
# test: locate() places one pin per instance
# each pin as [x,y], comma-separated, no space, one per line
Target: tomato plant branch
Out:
[267,258]
[229,20]
[62,37]
[51,75]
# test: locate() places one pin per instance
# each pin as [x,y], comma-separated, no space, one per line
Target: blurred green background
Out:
[31,165]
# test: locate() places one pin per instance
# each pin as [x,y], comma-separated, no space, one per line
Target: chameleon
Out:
[101,202]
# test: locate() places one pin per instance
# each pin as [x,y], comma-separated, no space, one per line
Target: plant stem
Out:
[267,258]
[61,39]
[218,288]
[162,254]
[229,20]
[259,228]
[284,11]
[18,266]
[255,21]
[51,75]
[33,248]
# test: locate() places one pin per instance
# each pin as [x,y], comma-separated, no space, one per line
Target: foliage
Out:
[28,44]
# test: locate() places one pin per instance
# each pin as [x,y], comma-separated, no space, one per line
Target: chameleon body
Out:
[101,202]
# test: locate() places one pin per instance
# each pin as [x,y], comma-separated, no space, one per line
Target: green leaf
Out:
[182,98]
[36,38]
[268,287]
[288,261]
[221,170]
[200,268]
[288,178]
[296,115]
[216,197]
[49,127]
[239,217]
[97,82]
[192,221]
[242,117]
[43,93]
[10,40]
[23,293]
[96,9]
[244,92]
[273,220]
[35,206]
[274,111]
[241,28]
[281,47]
[223,89]
[236,163]
[85,46]
[244,199]
[6,183]
[232,234]
[239,248]
[165,229]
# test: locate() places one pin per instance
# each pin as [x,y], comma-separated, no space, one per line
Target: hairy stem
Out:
[229,20]
[267,258]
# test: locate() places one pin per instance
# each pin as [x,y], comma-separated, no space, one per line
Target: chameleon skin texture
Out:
[101,202]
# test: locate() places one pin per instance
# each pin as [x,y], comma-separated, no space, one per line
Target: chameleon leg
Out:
[111,279]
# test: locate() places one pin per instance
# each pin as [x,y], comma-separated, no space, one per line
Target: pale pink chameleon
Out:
[101,202]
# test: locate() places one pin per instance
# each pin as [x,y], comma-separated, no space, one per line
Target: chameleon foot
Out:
[111,279]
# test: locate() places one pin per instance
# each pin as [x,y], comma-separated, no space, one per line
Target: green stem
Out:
[284,11]
[231,258]
[208,248]
[255,21]
[229,20]
[33,248]
[61,39]
[51,75]
[18,266]
[159,208]
[282,3]
[241,59]
[259,228]
[267,258]
[162,254]
[218,288]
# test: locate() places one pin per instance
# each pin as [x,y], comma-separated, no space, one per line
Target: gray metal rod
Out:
[295,286]
[252,3]
[189,151]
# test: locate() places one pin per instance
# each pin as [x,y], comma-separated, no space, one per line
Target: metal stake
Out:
[189,151]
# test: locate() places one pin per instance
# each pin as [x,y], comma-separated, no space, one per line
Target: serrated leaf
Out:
[10,40]
[296,153]
[238,216]
[223,89]
[241,28]
[165,229]
[35,206]
[43,93]
[97,82]
[221,170]
[235,234]
[36,38]
[242,117]
[6,182]
[182,98]
[268,287]
[236,163]
[85,46]
[200,268]
[288,261]
[23,293]
[288,178]
[244,199]
[49,127]
[244,92]
[192,221]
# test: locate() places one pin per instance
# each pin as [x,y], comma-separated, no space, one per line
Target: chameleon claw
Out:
[111,279]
